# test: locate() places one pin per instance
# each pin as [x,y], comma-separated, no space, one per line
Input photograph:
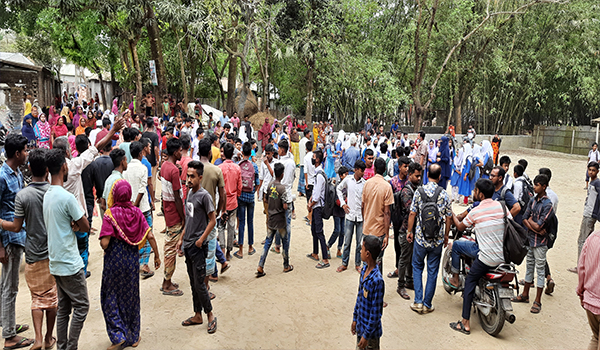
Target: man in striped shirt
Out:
[488,221]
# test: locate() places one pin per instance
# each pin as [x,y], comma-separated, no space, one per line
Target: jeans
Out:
[433,255]
[195,259]
[72,295]
[301,181]
[280,232]
[84,247]
[9,289]
[587,227]
[211,265]
[405,269]
[244,209]
[220,257]
[228,225]
[288,219]
[350,227]
[146,249]
[536,262]
[478,270]
[463,247]
[338,232]
[316,228]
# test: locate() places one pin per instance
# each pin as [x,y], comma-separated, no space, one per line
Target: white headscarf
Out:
[341,136]
[459,158]
[467,152]
[486,147]
[477,151]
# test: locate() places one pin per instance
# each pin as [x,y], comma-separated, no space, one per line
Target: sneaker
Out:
[427,310]
[418,308]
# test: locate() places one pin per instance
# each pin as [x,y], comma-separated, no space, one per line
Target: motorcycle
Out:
[493,293]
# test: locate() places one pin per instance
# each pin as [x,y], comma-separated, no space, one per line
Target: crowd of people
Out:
[85,160]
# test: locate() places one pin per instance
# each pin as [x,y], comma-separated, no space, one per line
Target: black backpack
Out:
[515,240]
[329,197]
[488,167]
[472,170]
[396,211]
[430,226]
[527,193]
[551,229]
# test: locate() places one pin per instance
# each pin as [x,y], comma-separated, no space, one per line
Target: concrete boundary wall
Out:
[565,139]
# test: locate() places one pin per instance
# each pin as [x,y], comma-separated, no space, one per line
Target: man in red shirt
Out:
[232,174]
[105,130]
[173,210]
[183,162]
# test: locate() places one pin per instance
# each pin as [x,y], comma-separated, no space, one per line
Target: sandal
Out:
[447,282]
[536,308]
[252,252]
[174,292]
[550,287]
[402,292]
[189,322]
[393,274]
[310,256]
[238,255]
[520,299]
[176,285]
[212,326]
[456,325]
[224,268]
[260,274]
[341,268]
[24,342]
[274,250]
[211,295]
[20,328]
[322,265]
[288,269]
[147,274]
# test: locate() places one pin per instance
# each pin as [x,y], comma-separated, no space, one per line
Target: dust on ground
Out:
[310,308]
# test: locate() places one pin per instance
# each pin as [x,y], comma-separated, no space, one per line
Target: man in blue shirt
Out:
[350,156]
[394,127]
[502,193]
[12,244]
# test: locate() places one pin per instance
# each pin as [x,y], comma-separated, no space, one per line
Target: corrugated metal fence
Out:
[566,139]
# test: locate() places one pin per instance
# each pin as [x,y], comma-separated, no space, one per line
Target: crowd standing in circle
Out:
[213,174]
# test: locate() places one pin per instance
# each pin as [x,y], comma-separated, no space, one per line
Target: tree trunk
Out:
[156,49]
[113,83]
[138,73]
[182,69]
[310,65]
[102,90]
[192,65]
[231,77]
[266,88]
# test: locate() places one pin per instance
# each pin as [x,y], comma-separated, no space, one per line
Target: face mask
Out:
[314,161]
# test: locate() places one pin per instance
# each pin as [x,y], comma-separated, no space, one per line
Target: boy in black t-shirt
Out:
[276,196]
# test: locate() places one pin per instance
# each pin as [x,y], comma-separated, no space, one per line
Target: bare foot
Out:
[49,342]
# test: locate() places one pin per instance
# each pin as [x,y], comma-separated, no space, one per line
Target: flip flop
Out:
[260,274]
[23,343]
[447,282]
[20,328]
[147,274]
[252,252]
[289,269]
[224,268]
[341,268]
[238,256]
[176,285]
[454,325]
[274,251]
[393,274]
[212,326]
[550,287]
[174,292]
[189,322]
[310,256]
[211,295]
[321,265]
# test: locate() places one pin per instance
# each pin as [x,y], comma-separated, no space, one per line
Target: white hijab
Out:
[477,151]
[486,147]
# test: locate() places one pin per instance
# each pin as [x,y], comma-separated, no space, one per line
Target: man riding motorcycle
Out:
[487,253]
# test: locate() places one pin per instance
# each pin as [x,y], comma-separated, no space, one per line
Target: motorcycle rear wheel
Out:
[494,322]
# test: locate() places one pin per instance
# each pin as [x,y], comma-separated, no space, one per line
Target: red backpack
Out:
[247,176]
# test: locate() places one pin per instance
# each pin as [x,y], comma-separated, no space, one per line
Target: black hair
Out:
[547,172]
[213,138]
[237,140]
[383,147]
[434,171]
[342,170]
[414,166]
[173,145]
[523,163]
[306,132]
[195,164]
[278,168]
[127,134]
[505,160]
[422,134]
[252,142]
[81,143]
[309,145]
[88,130]
[541,179]
[55,158]
[117,155]
[199,131]
[372,246]
[13,144]
[136,149]
[594,165]
[133,133]
[283,144]
[486,187]
[594,144]
[518,169]
[403,160]
[368,152]
[319,155]
[145,141]
[246,149]
[269,148]
[228,150]
[368,138]
[149,123]
[37,162]
[227,126]
[106,122]
[204,147]
[380,166]
[185,141]
[501,171]
[170,130]
[359,164]
[107,147]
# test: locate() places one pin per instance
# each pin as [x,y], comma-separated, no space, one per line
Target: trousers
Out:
[229,226]
[9,289]
[72,296]
[316,228]
[195,260]
[478,270]
[405,269]
[351,227]
[594,321]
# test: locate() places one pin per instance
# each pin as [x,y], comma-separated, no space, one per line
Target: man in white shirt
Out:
[194,150]
[352,205]
[289,175]
[95,132]
[302,149]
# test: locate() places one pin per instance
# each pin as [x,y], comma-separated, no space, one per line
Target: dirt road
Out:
[310,308]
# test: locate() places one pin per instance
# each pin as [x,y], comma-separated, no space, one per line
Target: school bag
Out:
[488,166]
[396,210]
[329,197]
[551,229]
[527,193]
[247,175]
[430,214]
[473,169]
[515,242]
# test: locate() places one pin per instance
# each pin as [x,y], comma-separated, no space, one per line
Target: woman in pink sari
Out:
[42,131]
[60,129]
[52,116]
[78,116]
[124,230]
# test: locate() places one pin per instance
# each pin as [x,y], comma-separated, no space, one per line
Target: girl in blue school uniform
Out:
[457,160]
[466,185]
